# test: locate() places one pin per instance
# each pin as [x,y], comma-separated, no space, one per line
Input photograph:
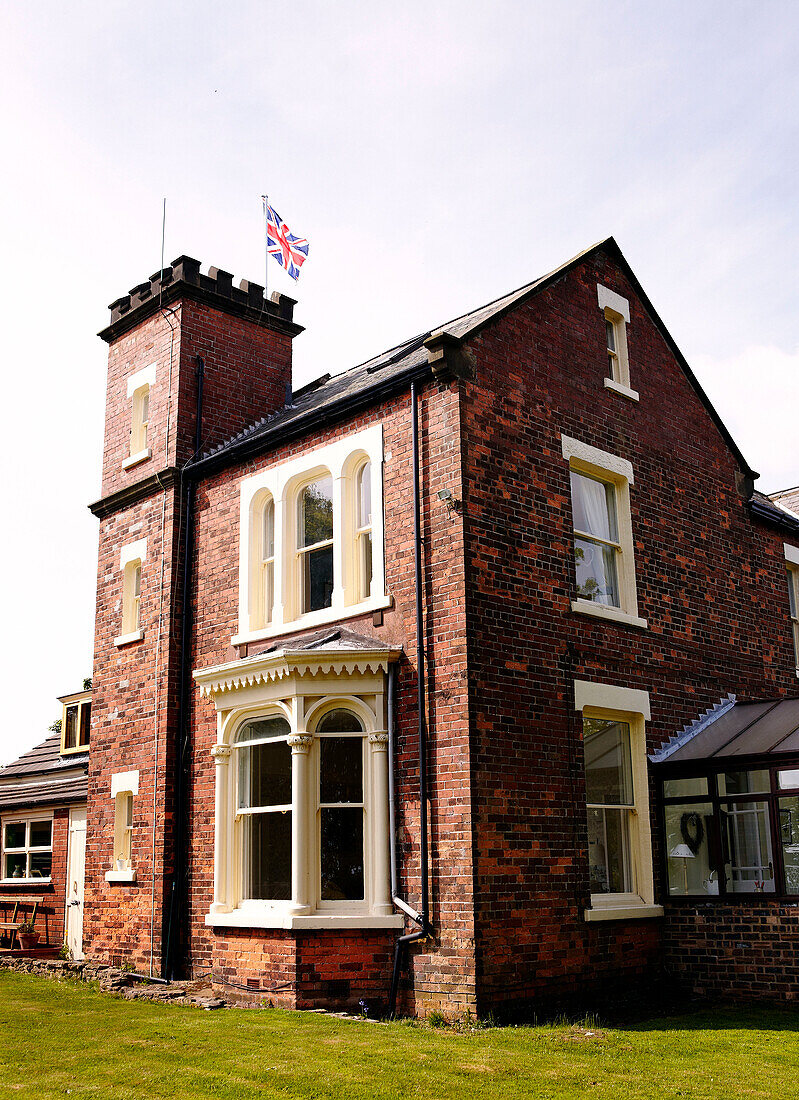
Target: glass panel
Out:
[269,530]
[365,495]
[750,782]
[15,835]
[683,788]
[41,834]
[342,854]
[608,851]
[340,721]
[137,581]
[316,512]
[792,593]
[788,779]
[71,729]
[85,723]
[365,565]
[267,856]
[269,590]
[265,775]
[594,505]
[608,770]
[276,726]
[317,579]
[41,863]
[145,405]
[688,849]
[596,572]
[610,328]
[341,769]
[15,866]
[789,839]
[748,866]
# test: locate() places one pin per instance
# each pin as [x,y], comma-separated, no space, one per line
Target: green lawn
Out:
[62,1038]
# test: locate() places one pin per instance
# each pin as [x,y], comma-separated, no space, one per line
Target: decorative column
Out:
[300,846]
[378,754]
[222,827]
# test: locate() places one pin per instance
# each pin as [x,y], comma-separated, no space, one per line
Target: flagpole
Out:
[266,250]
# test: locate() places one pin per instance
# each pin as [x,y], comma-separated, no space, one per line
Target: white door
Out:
[76,866]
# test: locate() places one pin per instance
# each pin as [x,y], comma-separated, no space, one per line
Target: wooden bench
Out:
[12,926]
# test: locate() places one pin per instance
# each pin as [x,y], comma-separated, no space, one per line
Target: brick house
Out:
[411,683]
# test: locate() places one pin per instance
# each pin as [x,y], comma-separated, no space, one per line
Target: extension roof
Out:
[765,728]
[330,398]
[42,776]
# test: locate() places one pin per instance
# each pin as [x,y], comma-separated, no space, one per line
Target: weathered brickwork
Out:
[507,818]
[50,915]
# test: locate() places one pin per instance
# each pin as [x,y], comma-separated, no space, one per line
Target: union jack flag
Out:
[290,252]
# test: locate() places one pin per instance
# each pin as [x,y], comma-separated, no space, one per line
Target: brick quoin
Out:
[507,817]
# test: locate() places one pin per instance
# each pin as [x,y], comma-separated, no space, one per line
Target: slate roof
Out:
[42,776]
[764,728]
[772,511]
[320,402]
[337,636]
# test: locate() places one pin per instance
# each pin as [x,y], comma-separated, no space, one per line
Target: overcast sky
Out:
[435,155]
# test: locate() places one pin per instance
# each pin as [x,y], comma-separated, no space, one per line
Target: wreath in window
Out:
[692,831]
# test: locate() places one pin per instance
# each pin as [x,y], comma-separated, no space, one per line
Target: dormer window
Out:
[76,721]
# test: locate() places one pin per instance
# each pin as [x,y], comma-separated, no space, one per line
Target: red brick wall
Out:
[51,914]
[710,583]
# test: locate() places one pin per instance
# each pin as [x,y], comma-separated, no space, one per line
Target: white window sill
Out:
[623,912]
[134,460]
[277,918]
[26,882]
[623,391]
[610,614]
[315,618]
[121,876]
[126,639]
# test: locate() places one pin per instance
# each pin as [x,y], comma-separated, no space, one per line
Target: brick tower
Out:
[191,357]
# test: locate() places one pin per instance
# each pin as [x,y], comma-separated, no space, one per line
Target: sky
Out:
[435,156]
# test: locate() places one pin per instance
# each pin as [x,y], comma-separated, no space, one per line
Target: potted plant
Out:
[27,935]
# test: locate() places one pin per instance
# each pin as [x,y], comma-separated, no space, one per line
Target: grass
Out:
[62,1038]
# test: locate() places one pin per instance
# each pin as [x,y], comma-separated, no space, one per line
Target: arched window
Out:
[315,544]
[363,531]
[263,805]
[341,807]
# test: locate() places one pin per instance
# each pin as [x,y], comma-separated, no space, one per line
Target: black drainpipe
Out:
[422,918]
[171,954]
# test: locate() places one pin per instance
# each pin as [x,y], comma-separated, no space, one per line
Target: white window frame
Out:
[138,389]
[283,483]
[792,564]
[618,472]
[631,706]
[131,562]
[27,850]
[80,701]
[616,311]
[302,691]
[124,789]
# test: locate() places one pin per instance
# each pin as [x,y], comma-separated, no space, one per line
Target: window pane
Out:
[594,506]
[317,579]
[41,834]
[748,866]
[792,592]
[85,723]
[269,530]
[137,581]
[267,856]
[364,492]
[342,854]
[788,779]
[688,849]
[41,862]
[749,782]
[265,775]
[596,572]
[145,405]
[276,726]
[341,769]
[683,788]
[15,866]
[316,512]
[610,328]
[608,770]
[71,729]
[340,721]
[15,835]
[789,839]
[609,851]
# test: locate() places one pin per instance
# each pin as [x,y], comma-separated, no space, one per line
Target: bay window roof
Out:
[768,727]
